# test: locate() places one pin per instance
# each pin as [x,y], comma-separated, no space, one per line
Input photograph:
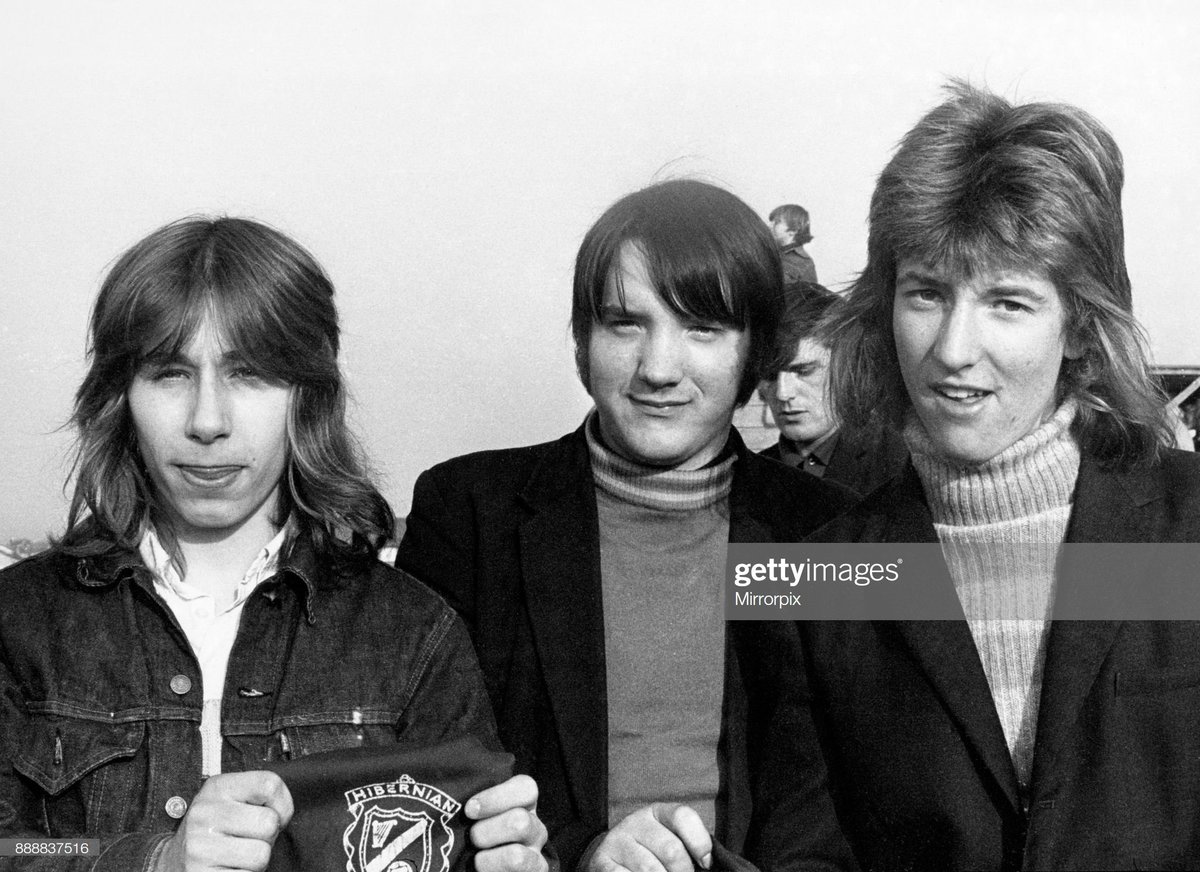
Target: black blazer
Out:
[511,539]
[905,747]
[861,461]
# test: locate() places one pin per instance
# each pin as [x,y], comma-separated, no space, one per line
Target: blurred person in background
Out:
[797,392]
[789,226]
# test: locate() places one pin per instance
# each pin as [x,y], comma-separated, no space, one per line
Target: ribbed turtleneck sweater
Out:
[1000,524]
[664,534]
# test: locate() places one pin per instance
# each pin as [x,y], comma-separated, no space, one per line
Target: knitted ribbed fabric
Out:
[1001,523]
[652,487]
[664,535]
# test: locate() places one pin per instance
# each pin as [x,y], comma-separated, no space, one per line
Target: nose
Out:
[208,417]
[785,385]
[660,361]
[958,341]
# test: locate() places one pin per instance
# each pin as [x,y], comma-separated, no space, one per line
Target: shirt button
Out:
[176,807]
[181,684]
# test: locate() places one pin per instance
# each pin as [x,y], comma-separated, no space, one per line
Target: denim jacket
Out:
[100,693]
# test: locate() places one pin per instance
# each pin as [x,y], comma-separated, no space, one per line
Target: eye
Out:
[706,330]
[922,296]
[1012,306]
[621,325]
[163,372]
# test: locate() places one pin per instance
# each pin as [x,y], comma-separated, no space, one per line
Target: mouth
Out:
[965,395]
[208,476]
[652,404]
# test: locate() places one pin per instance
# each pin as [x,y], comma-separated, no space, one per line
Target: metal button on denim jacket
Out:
[100,694]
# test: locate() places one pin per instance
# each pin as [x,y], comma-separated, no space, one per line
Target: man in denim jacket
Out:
[215,603]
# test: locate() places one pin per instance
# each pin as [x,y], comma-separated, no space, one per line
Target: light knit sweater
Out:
[1001,523]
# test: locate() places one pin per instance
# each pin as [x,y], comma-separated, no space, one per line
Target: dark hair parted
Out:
[981,184]
[708,255]
[268,300]
[795,219]
[807,305]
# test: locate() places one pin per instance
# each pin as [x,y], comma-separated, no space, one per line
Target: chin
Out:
[967,455]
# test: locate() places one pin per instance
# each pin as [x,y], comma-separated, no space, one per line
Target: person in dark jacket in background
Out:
[790,227]
[797,392]
[590,570]
[216,603]
[994,323]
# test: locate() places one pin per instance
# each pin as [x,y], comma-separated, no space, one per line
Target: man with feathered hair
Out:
[215,604]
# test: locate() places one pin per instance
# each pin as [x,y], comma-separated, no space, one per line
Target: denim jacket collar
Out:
[298,560]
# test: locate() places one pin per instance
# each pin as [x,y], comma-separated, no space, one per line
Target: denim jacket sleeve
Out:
[448,696]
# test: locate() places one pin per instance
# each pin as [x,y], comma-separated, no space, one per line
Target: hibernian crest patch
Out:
[399,826]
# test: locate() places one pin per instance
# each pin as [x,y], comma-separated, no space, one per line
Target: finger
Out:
[636,856]
[243,821]
[520,791]
[515,825]
[510,858]
[267,789]
[212,849]
[684,822]
[252,855]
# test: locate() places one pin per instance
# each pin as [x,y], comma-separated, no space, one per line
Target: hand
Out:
[232,824]
[508,834]
[663,836]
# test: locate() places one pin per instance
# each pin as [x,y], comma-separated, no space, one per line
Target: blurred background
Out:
[443,162]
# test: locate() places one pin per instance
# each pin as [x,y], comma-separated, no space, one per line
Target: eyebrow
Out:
[912,275]
[160,358]
[1003,289]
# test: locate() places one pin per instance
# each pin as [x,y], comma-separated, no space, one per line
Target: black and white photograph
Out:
[384,385]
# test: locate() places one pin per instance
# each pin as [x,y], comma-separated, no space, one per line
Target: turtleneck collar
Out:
[1035,474]
[652,487]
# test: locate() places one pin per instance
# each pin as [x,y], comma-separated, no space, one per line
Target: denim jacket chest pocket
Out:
[298,735]
[87,771]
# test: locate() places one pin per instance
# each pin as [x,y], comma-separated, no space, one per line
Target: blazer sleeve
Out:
[440,541]
[795,824]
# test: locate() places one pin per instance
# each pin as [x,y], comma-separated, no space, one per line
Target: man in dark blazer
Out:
[797,392]
[903,730]
[677,291]
[993,322]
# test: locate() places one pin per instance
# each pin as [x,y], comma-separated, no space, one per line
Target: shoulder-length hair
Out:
[269,301]
[980,184]
[707,254]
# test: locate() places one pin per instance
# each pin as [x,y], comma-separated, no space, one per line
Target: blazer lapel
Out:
[1109,507]
[945,650]
[560,565]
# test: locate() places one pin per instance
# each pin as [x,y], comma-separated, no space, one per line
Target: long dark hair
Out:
[271,302]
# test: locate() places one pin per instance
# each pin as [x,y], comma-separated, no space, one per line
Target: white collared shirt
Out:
[210,632]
